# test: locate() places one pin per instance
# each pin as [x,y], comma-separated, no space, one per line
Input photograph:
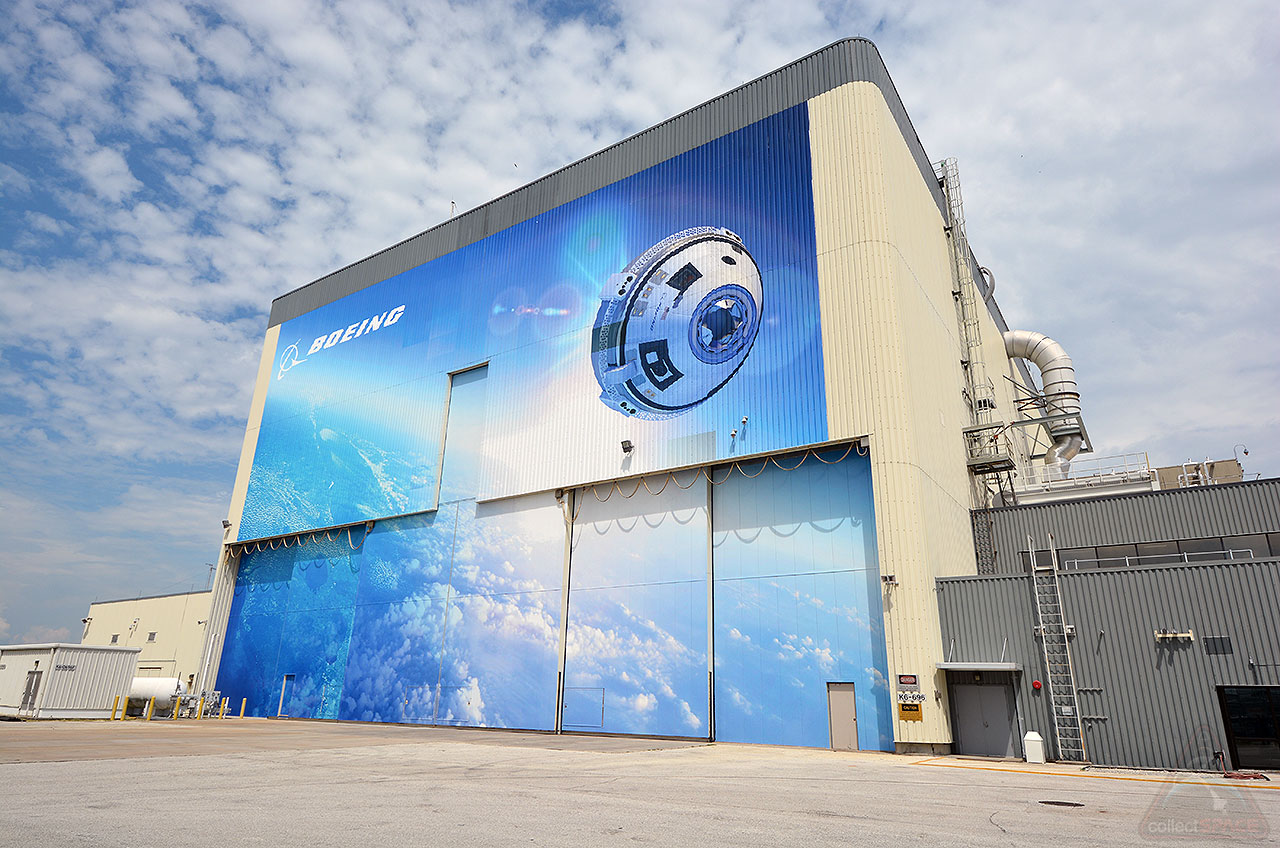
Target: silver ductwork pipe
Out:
[1062,396]
[991,283]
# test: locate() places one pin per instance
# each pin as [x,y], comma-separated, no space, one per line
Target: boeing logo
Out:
[289,358]
[292,356]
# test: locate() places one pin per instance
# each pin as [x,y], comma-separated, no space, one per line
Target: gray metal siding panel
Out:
[850,60]
[987,619]
[1233,509]
[1159,699]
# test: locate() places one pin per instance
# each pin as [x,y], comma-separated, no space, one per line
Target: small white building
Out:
[58,680]
[168,629]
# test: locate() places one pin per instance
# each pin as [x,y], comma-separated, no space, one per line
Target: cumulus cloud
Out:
[878,680]
[167,171]
[40,633]
[688,717]
[792,647]
[739,700]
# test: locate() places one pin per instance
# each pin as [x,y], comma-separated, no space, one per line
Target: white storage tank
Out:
[59,680]
[163,689]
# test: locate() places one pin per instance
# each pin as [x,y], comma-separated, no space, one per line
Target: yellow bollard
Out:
[114,705]
[222,713]
[200,709]
[243,703]
[151,707]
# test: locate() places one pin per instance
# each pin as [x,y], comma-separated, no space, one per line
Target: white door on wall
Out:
[842,712]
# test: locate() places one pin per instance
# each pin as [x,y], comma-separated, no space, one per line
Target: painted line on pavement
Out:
[1242,785]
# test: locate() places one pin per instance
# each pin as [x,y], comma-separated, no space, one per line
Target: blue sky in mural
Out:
[450,617]
[353,418]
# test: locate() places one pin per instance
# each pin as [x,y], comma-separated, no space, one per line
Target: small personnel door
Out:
[29,693]
[842,713]
[984,722]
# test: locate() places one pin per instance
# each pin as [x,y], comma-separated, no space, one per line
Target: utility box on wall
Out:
[63,681]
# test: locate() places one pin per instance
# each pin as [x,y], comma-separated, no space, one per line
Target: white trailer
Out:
[58,680]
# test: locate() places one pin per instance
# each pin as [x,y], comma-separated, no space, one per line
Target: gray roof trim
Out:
[151,597]
[939,582]
[1188,492]
[1068,574]
[848,60]
[48,646]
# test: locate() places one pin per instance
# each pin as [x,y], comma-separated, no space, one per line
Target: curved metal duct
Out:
[991,283]
[1061,394]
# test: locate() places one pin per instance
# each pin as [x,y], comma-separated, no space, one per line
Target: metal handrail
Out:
[1074,564]
[1126,465]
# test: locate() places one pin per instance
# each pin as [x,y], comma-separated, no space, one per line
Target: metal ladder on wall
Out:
[1057,656]
[981,390]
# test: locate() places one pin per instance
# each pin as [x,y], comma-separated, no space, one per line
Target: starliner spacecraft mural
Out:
[677,323]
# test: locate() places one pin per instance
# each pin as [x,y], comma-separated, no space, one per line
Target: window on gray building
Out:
[1256,545]
[1117,556]
[1044,559]
[1073,558]
[1159,553]
[1202,550]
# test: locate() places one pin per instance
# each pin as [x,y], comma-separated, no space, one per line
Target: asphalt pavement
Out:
[261,782]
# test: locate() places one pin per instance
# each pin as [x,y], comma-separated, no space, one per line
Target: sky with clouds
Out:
[166,170]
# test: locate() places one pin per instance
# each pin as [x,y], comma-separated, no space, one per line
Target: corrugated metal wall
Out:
[77,681]
[1233,509]
[1143,702]
[991,619]
[845,61]
[84,679]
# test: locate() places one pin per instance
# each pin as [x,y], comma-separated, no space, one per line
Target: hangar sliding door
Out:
[797,600]
[636,657]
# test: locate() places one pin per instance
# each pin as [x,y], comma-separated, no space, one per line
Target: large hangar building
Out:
[674,441]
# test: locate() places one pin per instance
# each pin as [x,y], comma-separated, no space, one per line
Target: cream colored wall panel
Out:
[892,354]
[266,366]
[229,562]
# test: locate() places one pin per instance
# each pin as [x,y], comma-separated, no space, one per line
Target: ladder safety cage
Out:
[1060,674]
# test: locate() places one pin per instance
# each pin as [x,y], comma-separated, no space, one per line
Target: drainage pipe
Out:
[1062,396]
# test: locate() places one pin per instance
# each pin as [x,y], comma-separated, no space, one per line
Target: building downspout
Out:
[1061,394]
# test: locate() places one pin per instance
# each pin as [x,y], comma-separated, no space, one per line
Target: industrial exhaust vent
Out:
[1059,401]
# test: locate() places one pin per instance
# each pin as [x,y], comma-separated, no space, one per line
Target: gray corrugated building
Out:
[1160,527]
[1166,606]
